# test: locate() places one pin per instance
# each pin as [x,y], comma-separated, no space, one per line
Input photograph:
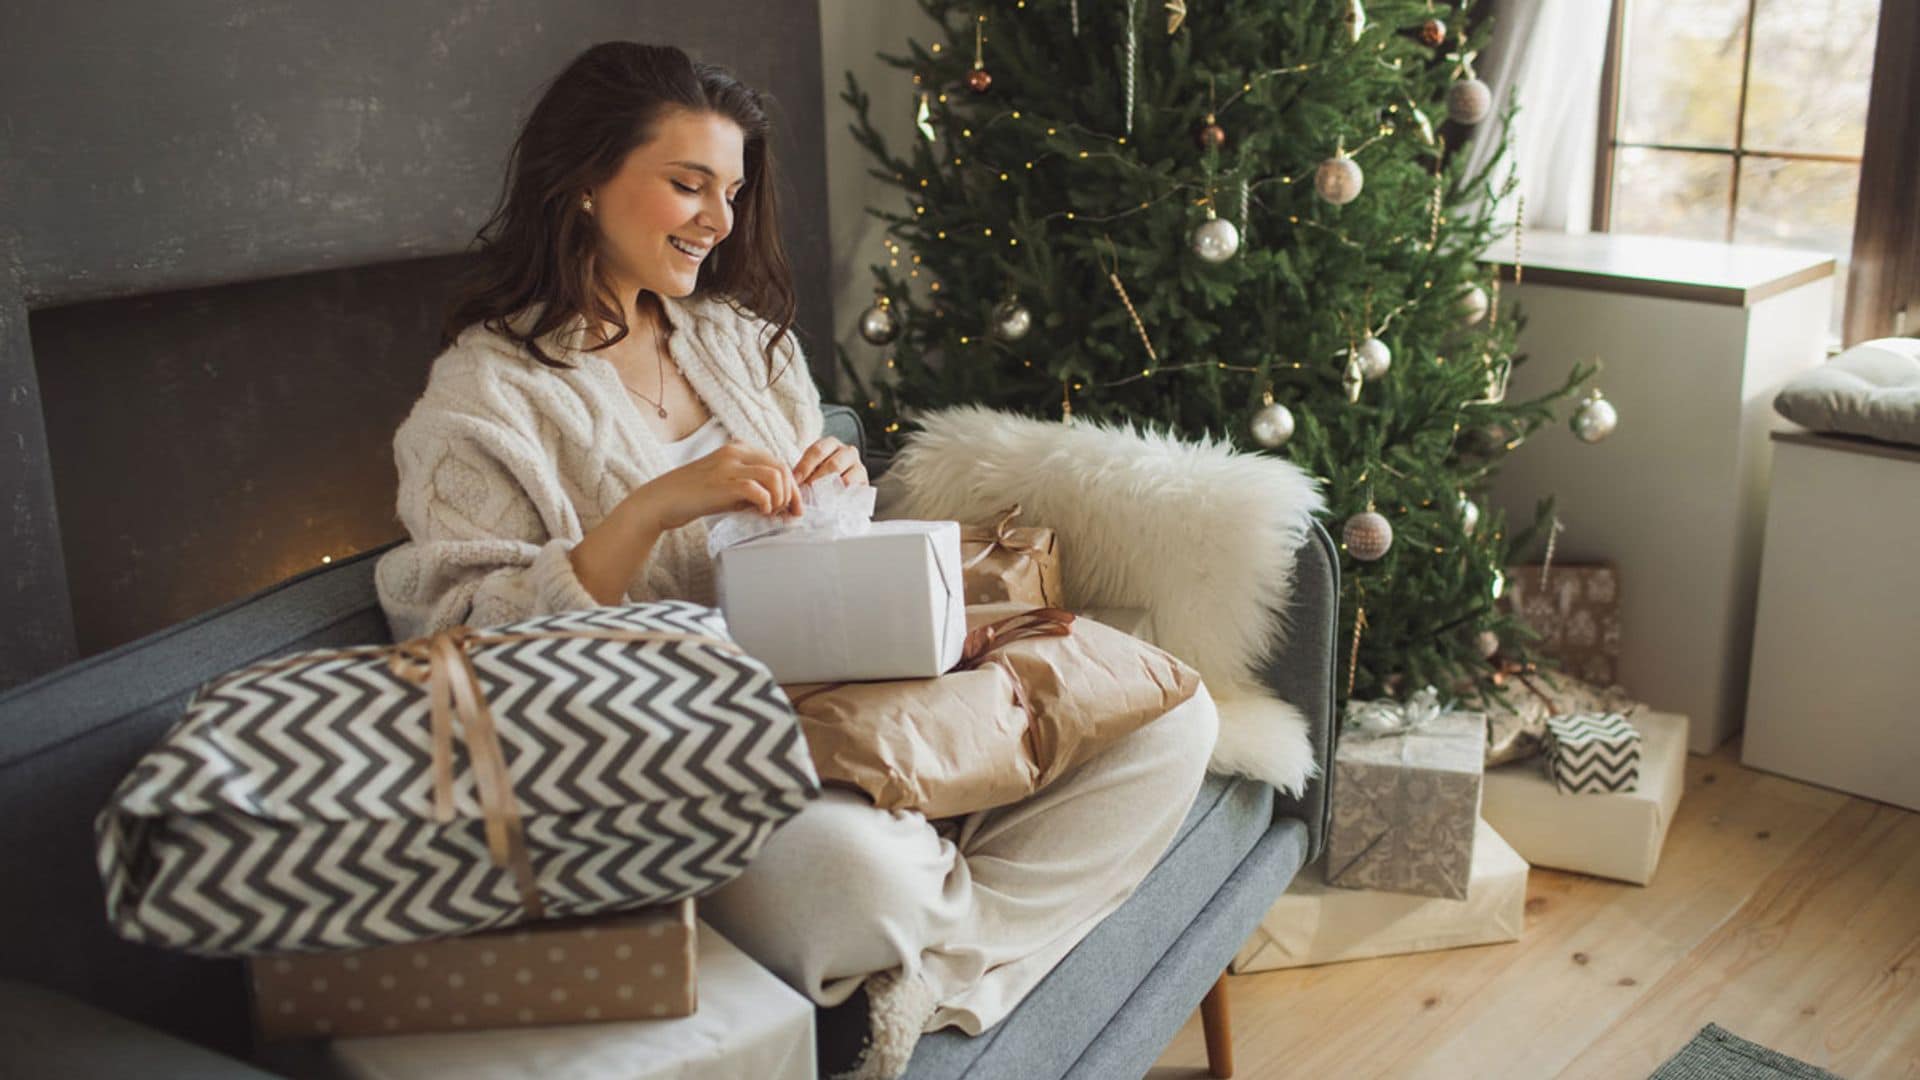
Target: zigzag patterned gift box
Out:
[613,757]
[1593,752]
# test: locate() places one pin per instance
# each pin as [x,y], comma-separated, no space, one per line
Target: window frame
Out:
[1883,293]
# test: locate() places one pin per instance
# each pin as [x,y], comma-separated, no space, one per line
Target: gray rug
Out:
[1718,1054]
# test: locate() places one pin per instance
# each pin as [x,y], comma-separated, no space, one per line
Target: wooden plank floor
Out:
[1785,913]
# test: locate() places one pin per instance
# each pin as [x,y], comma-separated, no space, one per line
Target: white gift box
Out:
[1615,835]
[748,1023]
[1314,923]
[885,602]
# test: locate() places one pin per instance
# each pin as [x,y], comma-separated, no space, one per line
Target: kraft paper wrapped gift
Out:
[1005,563]
[749,1024]
[1617,835]
[1517,721]
[1405,807]
[1312,923]
[836,596]
[1037,691]
[626,967]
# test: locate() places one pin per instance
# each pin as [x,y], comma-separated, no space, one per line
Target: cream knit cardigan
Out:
[506,463]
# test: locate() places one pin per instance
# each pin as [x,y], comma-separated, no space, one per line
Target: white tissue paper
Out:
[836,596]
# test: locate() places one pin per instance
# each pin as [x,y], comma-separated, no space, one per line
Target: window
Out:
[1739,120]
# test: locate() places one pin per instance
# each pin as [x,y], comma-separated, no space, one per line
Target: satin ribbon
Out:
[1386,717]
[1505,669]
[982,640]
[1004,539]
[441,663]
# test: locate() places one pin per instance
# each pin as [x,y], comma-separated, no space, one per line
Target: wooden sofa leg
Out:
[1213,1019]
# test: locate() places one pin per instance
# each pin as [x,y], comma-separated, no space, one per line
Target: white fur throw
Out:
[1201,536]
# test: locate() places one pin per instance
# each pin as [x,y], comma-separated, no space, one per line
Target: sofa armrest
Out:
[44,1033]
[1302,672]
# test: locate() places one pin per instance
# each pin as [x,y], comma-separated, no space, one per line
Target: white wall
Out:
[851,33]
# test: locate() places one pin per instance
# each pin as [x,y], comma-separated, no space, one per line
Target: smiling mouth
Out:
[684,248]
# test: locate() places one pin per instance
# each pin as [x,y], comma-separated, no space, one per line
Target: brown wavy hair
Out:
[540,247]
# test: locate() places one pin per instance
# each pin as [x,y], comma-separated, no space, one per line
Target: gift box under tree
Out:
[1576,611]
[1593,752]
[1313,924]
[1616,835]
[1406,806]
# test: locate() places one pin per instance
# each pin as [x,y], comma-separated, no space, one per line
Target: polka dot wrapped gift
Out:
[638,966]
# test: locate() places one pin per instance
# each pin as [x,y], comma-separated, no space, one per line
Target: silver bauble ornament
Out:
[1473,304]
[1595,419]
[1375,358]
[1488,643]
[1469,515]
[1339,180]
[1011,320]
[1367,535]
[879,325]
[1215,240]
[1272,425]
[1468,101]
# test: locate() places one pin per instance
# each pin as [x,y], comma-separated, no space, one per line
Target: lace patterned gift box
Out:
[1405,807]
[1576,612]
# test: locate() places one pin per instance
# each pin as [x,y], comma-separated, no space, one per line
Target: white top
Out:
[705,439]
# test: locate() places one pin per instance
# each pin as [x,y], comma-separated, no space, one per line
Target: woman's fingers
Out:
[782,494]
[813,458]
[751,494]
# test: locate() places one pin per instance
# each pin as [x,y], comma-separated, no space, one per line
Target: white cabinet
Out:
[1837,634]
[1696,338]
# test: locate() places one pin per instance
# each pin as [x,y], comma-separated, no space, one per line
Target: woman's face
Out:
[670,203]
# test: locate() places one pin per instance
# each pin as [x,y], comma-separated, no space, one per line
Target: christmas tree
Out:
[1241,221]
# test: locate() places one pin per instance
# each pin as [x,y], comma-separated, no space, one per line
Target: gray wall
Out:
[146,148]
[858,31]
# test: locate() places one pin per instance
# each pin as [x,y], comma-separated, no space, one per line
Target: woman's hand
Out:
[830,457]
[734,477]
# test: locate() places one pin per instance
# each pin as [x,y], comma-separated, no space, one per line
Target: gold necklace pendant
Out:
[659,406]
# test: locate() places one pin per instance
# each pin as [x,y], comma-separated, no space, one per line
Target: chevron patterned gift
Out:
[1593,752]
[613,757]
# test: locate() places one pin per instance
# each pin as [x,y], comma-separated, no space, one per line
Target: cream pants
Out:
[984,905]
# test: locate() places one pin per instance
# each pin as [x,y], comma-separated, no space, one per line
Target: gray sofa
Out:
[77,1001]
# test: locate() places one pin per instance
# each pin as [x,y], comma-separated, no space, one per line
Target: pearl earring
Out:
[586,203]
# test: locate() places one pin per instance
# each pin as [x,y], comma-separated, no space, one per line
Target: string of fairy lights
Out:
[879,325]
[1337,180]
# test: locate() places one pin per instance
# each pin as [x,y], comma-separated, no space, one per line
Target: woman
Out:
[622,367]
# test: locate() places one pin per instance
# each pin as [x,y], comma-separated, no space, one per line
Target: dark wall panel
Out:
[151,148]
[210,442]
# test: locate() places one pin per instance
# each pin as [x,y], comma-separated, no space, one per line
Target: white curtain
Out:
[1547,55]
